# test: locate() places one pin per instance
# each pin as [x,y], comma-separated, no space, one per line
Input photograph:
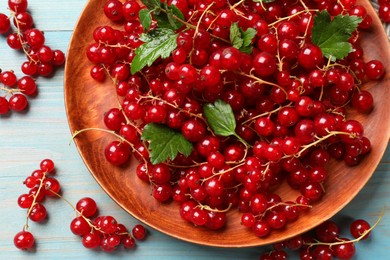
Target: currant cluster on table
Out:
[324,242]
[41,59]
[96,231]
[17,90]
[102,232]
[289,102]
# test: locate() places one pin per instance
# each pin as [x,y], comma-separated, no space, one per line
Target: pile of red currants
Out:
[256,67]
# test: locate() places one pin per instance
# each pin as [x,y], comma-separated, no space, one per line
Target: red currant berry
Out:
[25,201]
[18,5]
[108,224]
[91,240]
[360,227]
[344,251]
[47,165]
[87,207]
[4,106]
[24,240]
[328,231]
[38,213]
[27,85]
[117,153]
[310,57]
[18,102]
[5,25]
[113,10]
[79,226]
[139,232]
[374,69]
[128,242]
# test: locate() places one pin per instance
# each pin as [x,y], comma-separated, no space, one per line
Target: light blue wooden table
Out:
[43,132]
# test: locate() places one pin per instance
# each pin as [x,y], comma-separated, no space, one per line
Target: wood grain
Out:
[86,101]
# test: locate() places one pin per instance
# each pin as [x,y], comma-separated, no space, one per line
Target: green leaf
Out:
[248,36]
[162,21]
[152,4]
[160,42]
[246,49]
[168,19]
[332,35]
[165,143]
[145,18]
[220,118]
[241,39]
[173,12]
[235,36]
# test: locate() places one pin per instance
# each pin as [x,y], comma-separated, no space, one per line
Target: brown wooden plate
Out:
[86,101]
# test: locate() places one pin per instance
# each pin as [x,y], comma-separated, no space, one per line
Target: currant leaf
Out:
[172,14]
[220,118]
[241,39]
[159,42]
[332,35]
[166,16]
[248,36]
[145,17]
[165,143]
[152,4]
[235,36]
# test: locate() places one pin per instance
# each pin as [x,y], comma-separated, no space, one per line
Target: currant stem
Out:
[67,201]
[282,204]
[35,196]
[237,4]
[174,106]
[77,132]
[90,223]
[291,16]
[266,113]
[192,26]
[304,5]
[330,134]
[216,210]
[223,172]
[121,138]
[197,29]
[10,91]
[350,241]
[19,33]
[242,140]
[114,80]
[260,81]
[184,166]
[115,45]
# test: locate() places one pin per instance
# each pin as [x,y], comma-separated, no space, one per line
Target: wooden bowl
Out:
[86,101]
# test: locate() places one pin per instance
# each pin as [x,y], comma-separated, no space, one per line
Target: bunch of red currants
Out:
[102,232]
[41,59]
